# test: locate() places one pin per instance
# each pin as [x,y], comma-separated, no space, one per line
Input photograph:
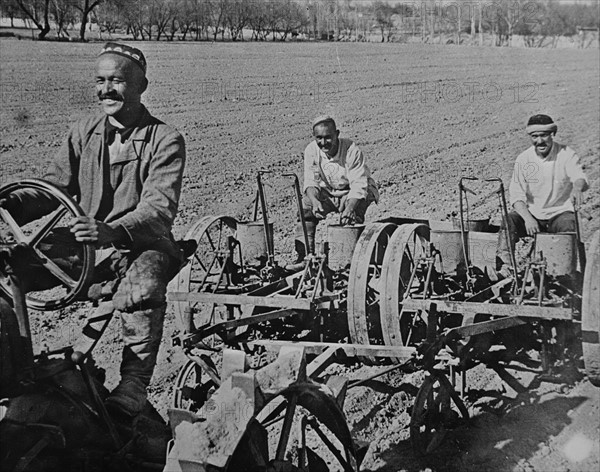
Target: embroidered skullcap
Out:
[129,52]
[323,119]
[539,123]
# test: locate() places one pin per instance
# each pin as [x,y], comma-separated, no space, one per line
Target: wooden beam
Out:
[230,299]
[494,309]
[351,350]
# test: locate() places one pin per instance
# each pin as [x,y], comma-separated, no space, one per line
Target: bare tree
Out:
[186,17]
[108,17]
[160,14]
[38,12]
[85,7]
[258,19]
[133,17]
[218,9]
[11,9]
[237,17]
[383,18]
[62,12]
[292,18]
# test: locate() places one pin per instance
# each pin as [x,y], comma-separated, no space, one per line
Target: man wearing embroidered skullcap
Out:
[124,166]
[336,179]
[547,181]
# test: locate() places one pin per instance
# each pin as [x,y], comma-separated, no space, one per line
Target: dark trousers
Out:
[561,223]
[135,281]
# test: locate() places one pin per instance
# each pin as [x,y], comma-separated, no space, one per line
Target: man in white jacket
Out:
[547,180]
[336,179]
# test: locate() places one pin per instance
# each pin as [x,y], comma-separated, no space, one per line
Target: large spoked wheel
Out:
[193,387]
[365,284]
[407,245]
[209,266]
[590,312]
[58,268]
[437,409]
[310,434]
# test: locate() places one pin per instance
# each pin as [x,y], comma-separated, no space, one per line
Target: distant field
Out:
[424,115]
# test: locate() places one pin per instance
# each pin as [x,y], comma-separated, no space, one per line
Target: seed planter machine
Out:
[413,294]
[401,293]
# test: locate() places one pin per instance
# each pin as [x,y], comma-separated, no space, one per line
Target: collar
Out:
[112,130]
[324,155]
[109,130]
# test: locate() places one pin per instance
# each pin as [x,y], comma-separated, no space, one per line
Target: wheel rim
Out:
[590,312]
[206,271]
[321,411]
[407,245]
[59,260]
[192,388]
[364,285]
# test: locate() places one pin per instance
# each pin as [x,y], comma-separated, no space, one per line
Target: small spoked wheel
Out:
[193,387]
[308,432]
[407,245]
[58,269]
[365,282]
[437,409]
[209,267]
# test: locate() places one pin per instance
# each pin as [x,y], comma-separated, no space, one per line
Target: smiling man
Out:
[125,168]
[336,179]
[547,180]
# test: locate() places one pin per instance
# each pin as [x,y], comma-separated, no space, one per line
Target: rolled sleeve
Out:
[573,168]
[358,173]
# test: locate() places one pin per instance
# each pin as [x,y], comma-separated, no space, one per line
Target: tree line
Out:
[540,22]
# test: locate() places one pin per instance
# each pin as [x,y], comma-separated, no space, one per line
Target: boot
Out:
[142,333]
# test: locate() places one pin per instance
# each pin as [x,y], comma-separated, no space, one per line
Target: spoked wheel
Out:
[193,387]
[437,409]
[590,312]
[365,283]
[210,266]
[58,268]
[407,245]
[311,434]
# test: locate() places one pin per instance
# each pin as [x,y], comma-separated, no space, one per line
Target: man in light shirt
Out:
[547,180]
[336,179]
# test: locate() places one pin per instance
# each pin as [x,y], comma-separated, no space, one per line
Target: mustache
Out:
[110,96]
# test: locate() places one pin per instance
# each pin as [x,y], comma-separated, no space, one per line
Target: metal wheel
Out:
[58,268]
[365,283]
[407,244]
[311,434]
[433,414]
[192,387]
[590,312]
[210,265]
